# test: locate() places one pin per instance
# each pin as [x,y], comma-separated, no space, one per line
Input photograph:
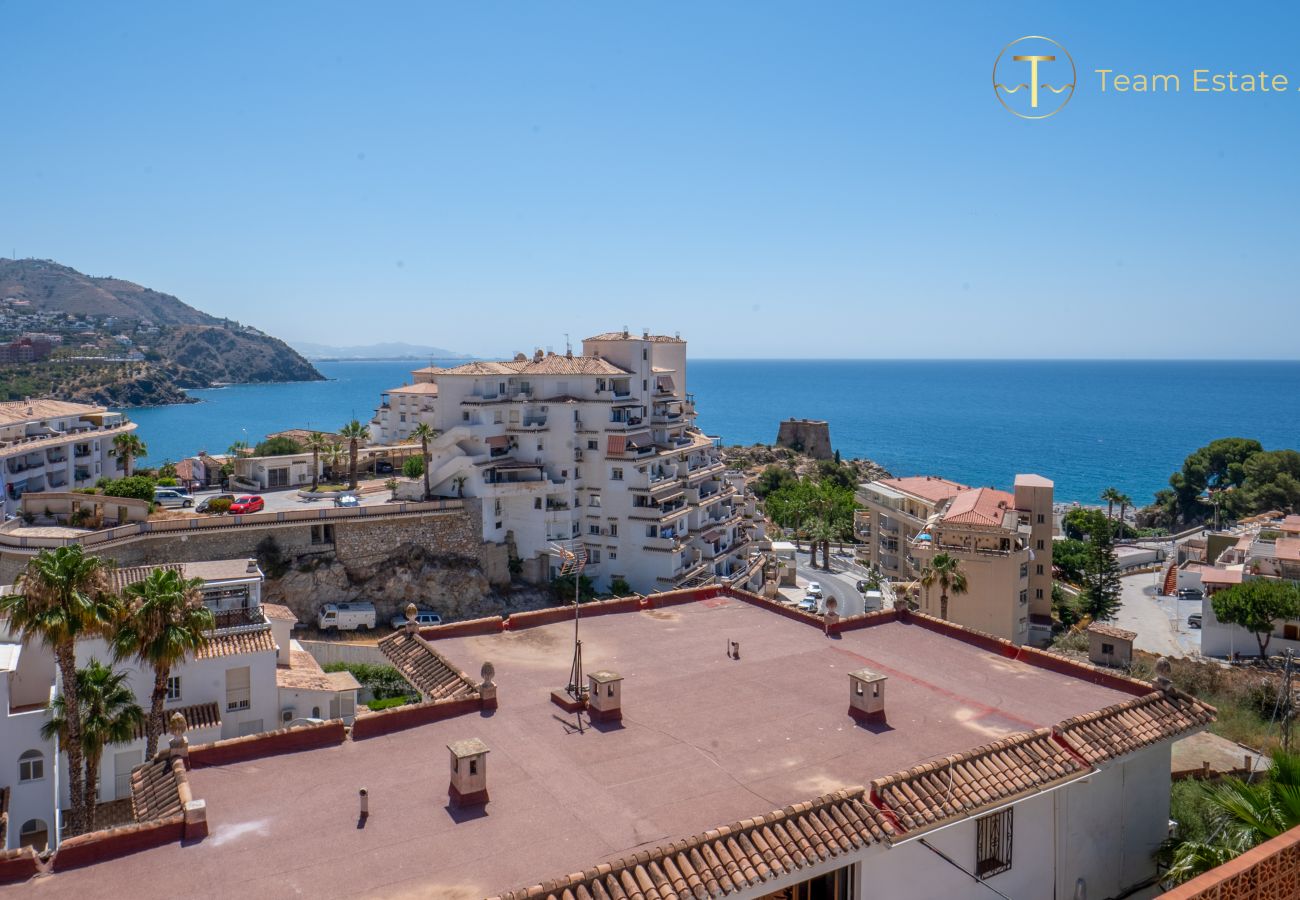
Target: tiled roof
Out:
[1288,549]
[207,570]
[550,364]
[629,336]
[305,674]
[1113,631]
[1132,725]
[199,715]
[255,640]
[1214,575]
[928,487]
[724,860]
[965,783]
[119,578]
[979,506]
[155,789]
[420,387]
[15,411]
[425,668]
[276,611]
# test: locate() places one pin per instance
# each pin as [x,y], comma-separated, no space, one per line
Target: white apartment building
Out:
[52,445]
[402,408]
[1001,540]
[600,448]
[28,774]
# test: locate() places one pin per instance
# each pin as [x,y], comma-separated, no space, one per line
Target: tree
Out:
[1111,496]
[1256,605]
[1244,815]
[108,714]
[278,446]
[413,467]
[1124,501]
[138,487]
[945,571]
[164,623]
[1080,522]
[822,531]
[459,481]
[1070,556]
[167,469]
[1272,481]
[1100,596]
[772,479]
[60,596]
[334,455]
[316,443]
[1218,466]
[353,432]
[391,485]
[237,448]
[424,433]
[127,447]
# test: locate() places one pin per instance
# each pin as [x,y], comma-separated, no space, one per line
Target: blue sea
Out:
[1086,425]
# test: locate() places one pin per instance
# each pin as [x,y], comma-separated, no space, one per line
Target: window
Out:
[537,503]
[1024,569]
[593,445]
[401,417]
[496,507]
[1040,569]
[593,529]
[993,843]
[237,689]
[594,500]
[616,474]
[1038,593]
[464,415]
[613,554]
[540,446]
[1108,649]
[31,766]
[1040,545]
[1024,597]
[594,556]
[496,417]
[173,688]
[613,529]
[473,767]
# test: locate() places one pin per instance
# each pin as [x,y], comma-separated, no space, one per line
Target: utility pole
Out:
[1288,701]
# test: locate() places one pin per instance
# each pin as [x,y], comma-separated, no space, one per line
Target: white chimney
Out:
[605,696]
[867,695]
[468,785]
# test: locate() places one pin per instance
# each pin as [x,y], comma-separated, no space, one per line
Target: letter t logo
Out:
[1033,74]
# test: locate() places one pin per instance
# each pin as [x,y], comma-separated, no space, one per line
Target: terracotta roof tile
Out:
[119,578]
[730,859]
[257,639]
[305,674]
[425,668]
[965,783]
[198,715]
[420,387]
[1132,725]
[928,487]
[1113,631]
[979,506]
[155,789]
[630,336]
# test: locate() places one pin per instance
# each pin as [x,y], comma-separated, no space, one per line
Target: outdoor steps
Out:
[425,668]
[1171,580]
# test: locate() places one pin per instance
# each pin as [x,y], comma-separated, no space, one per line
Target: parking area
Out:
[369,493]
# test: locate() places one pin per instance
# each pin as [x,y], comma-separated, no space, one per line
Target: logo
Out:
[1033,77]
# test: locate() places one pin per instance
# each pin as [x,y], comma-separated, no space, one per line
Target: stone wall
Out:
[811,437]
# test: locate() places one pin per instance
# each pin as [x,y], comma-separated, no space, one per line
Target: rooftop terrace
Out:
[704,740]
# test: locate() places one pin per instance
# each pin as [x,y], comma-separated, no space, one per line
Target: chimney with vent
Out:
[867,696]
[605,697]
[468,773]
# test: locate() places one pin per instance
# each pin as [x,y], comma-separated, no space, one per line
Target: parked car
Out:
[347,500]
[1190,594]
[206,502]
[383,468]
[248,503]
[346,617]
[172,498]
[814,589]
[424,617]
[863,586]
[808,604]
[1194,620]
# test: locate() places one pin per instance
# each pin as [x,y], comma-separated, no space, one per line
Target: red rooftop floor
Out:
[705,741]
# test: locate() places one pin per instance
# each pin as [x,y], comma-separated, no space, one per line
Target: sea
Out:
[1087,425]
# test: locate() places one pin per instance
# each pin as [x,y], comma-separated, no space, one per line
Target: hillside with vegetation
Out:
[1235,476]
[107,340]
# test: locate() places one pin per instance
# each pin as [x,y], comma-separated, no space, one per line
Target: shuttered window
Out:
[237,689]
[993,843]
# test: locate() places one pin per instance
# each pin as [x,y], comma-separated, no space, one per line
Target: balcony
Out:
[239,617]
[81,451]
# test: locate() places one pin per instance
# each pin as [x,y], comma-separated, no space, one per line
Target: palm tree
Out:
[127,447]
[334,455]
[945,571]
[108,714]
[821,531]
[316,443]
[353,432]
[424,433]
[165,622]
[1124,501]
[459,481]
[1244,815]
[63,595]
[1111,496]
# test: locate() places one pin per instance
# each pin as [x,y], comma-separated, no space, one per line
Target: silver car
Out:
[172,499]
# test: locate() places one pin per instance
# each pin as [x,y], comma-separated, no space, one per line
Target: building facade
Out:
[598,448]
[51,445]
[1002,542]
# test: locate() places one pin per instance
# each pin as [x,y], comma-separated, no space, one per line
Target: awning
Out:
[498,440]
[666,382]
[711,536]
[617,445]
[643,439]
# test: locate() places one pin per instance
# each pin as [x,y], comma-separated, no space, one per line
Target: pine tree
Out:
[1101,586]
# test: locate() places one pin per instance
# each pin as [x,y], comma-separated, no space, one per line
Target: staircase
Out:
[1170,584]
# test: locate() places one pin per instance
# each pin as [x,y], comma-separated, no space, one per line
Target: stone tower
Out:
[810,436]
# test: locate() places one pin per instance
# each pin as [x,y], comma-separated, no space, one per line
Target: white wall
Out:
[1219,639]
[20,732]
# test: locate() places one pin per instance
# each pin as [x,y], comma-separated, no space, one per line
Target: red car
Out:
[247,504]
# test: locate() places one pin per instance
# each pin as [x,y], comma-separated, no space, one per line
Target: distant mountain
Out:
[395,350]
[122,344]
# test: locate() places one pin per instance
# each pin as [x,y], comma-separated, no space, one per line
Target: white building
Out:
[401,409]
[599,448]
[28,775]
[51,445]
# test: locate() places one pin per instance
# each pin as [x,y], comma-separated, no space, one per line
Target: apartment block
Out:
[1002,541]
[52,445]
[599,448]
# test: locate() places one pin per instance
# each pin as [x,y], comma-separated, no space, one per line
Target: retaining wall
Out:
[271,743]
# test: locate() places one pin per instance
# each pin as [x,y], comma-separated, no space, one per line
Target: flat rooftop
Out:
[705,741]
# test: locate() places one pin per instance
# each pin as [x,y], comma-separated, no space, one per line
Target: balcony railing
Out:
[236,618]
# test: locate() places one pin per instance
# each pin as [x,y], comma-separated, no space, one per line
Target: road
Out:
[1160,622]
[284,501]
[840,583]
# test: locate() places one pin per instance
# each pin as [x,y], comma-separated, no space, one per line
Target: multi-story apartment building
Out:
[52,445]
[1002,541]
[599,448]
[401,409]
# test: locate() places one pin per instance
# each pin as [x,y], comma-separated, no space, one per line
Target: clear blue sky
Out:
[771,179]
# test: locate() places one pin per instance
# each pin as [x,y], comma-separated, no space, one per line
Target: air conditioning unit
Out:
[287,715]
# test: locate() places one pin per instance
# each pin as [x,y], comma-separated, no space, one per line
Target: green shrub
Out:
[384,682]
[413,467]
[219,505]
[619,587]
[136,487]
[277,446]
[168,482]
[386,703]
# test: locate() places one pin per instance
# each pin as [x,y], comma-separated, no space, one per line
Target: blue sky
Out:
[771,179]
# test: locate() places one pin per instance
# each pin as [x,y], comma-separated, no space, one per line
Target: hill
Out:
[392,350]
[107,340]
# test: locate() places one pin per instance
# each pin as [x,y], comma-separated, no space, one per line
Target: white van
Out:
[347,617]
[172,497]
